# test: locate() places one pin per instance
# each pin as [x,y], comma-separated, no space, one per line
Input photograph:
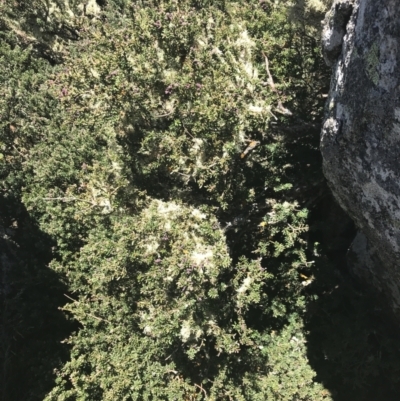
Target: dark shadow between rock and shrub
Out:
[352,344]
[32,326]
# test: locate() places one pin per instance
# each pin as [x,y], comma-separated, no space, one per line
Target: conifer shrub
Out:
[158,157]
[165,315]
[152,156]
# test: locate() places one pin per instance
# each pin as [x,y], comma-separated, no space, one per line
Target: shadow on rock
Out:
[352,344]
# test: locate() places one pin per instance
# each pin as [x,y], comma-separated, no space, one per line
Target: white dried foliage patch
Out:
[202,255]
[185,331]
[198,215]
[245,285]
[152,245]
[169,209]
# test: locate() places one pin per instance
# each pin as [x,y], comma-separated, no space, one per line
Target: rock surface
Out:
[360,140]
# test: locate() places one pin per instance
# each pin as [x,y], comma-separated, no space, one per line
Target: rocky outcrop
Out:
[360,140]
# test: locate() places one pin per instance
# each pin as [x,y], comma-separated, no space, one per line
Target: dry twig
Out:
[280,108]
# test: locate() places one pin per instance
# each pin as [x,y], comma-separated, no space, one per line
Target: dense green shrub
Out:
[125,154]
[165,316]
[161,150]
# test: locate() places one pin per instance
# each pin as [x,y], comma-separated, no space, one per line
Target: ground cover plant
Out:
[163,158]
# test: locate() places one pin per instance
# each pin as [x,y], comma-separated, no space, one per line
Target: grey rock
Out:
[360,139]
[334,29]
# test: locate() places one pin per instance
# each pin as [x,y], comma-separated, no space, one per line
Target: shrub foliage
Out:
[160,146]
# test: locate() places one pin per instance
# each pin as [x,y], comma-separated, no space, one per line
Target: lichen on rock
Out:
[359,139]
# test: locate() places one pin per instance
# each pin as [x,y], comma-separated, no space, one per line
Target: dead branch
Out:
[280,108]
[202,389]
[89,314]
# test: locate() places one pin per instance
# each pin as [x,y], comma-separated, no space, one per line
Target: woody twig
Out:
[280,108]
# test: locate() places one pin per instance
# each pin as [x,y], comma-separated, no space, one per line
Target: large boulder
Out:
[360,139]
